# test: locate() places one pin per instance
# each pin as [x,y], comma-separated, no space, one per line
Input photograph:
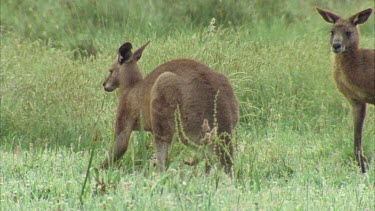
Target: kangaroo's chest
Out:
[351,90]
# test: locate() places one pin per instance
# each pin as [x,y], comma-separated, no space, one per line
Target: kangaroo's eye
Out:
[111,71]
[348,34]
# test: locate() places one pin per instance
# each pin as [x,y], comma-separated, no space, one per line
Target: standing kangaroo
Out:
[199,94]
[354,70]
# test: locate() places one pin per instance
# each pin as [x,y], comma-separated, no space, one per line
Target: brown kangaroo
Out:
[198,93]
[354,70]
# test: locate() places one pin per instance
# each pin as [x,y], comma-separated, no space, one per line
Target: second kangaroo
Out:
[195,91]
[354,70]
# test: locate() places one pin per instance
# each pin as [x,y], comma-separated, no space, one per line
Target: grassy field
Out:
[293,146]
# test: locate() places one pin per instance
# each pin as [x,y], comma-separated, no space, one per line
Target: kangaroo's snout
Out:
[337,48]
[107,87]
[338,44]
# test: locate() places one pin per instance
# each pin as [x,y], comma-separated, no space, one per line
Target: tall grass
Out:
[88,26]
[294,147]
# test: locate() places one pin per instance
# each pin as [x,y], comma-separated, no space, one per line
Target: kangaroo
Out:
[354,70]
[195,91]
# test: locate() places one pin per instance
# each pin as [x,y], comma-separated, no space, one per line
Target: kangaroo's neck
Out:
[348,59]
[347,63]
[130,80]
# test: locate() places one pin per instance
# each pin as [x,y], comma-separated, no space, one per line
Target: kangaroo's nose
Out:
[336,46]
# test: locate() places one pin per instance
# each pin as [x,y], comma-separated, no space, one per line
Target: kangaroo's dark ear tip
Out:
[319,10]
[367,11]
[126,45]
[147,43]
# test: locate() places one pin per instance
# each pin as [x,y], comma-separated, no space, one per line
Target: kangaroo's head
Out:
[344,33]
[125,72]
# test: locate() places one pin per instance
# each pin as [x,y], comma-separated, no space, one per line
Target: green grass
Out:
[294,147]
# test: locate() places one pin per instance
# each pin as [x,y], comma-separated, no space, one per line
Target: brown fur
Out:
[354,70]
[186,85]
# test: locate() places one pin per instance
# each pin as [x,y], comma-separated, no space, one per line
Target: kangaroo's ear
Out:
[328,16]
[125,52]
[138,53]
[361,17]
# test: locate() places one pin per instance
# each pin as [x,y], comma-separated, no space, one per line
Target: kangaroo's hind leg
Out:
[164,101]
